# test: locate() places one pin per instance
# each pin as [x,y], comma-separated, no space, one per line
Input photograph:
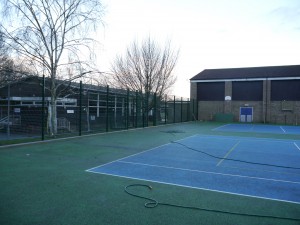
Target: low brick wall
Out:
[207,109]
[268,113]
[285,115]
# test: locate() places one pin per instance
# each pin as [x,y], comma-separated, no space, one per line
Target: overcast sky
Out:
[209,33]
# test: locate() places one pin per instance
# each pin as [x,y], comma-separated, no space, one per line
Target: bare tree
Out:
[147,67]
[2,44]
[7,65]
[53,37]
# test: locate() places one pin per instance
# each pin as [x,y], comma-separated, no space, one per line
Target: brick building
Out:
[255,94]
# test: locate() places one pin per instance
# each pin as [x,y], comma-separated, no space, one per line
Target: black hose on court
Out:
[236,160]
[152,203]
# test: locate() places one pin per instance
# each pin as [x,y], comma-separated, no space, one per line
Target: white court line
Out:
[208,172]
[151,149]
[260,170]
[221,126]
[201,136]
[228,153]
[297,146]
[197,188]
[247,138]
[282,129]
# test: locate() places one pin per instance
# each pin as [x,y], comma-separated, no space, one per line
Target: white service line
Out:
[196,188]
[221,126]
[147,150]
[208,172]
[282,129]
[297,146]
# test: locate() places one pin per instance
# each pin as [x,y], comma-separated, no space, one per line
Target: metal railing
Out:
[85,109]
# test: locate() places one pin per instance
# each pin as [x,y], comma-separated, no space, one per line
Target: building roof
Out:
[76,85]
[248,73]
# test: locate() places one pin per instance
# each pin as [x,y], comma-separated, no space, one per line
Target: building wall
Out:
[280,115]
[228,92]
[193,91]
[207,109]
[264,111]
[257,110]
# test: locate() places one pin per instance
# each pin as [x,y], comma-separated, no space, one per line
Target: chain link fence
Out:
[84,109]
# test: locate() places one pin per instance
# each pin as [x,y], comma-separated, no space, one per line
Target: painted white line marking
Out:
[297,146]
[221,126]
[228,153]
[197,188]
[208,172]
[151,149]
[282,129]
[246,138]
[259,170]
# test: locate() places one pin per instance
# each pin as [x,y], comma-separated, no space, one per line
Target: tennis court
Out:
[265,168]
[221,177]
[259,128]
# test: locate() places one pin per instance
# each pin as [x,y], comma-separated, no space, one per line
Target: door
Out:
[246,114]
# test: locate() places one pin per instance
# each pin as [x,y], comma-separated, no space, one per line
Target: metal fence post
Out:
[147,108]
[127,110]
[197,109]
[193,112]
[80,106]
[43,108]
[174,109]
[8,109]
[181,110]
[154,109]
[142,108]
[107,108]
[166,98]
[188,114]
[136,109]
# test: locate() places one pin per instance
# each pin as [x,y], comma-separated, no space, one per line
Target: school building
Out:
[254,94]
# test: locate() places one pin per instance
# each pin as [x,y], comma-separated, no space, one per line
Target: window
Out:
[288,90]
[211,91]
[247,90]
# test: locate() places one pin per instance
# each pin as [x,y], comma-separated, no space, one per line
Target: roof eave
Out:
[244,79]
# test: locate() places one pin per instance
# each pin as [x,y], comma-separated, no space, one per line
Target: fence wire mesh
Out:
[26,109]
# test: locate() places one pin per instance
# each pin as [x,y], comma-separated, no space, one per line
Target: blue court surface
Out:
[257,167]
[258,128]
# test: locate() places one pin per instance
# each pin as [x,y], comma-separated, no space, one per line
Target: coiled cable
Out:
[152,203]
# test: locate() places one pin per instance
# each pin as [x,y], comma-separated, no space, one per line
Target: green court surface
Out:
[47,183]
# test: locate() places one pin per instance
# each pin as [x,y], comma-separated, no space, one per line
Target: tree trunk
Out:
[52,117]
